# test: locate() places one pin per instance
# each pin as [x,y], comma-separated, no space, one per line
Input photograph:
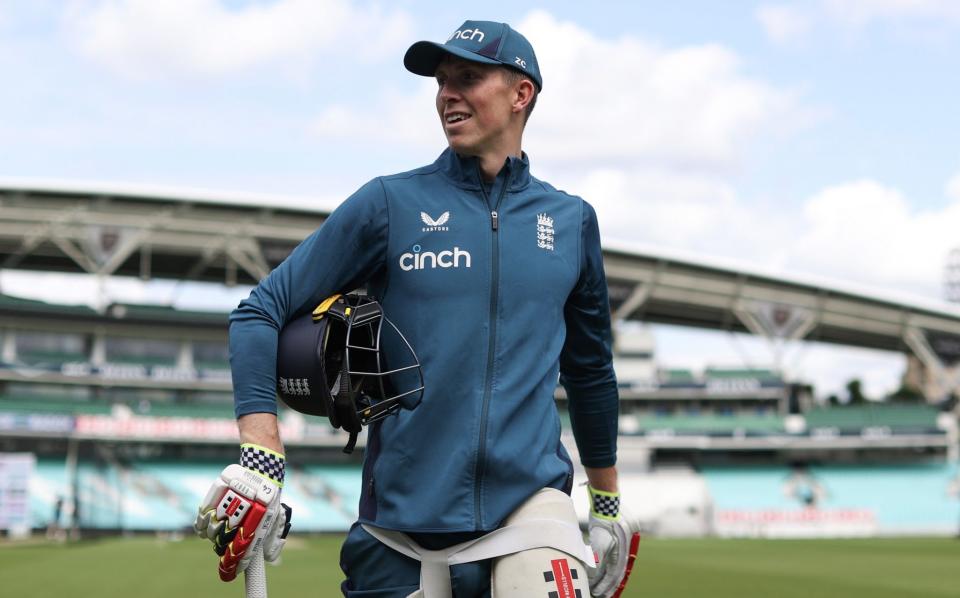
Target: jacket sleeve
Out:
[586,362]
[338,257]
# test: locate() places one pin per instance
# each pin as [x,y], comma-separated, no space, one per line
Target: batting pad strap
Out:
[514,537]
[605,505]
[269,464]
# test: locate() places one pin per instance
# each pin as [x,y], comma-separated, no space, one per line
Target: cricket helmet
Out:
[341,362]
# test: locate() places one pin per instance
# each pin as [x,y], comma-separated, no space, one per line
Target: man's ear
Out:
[525,91]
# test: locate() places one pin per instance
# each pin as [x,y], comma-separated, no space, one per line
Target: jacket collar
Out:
[465,170]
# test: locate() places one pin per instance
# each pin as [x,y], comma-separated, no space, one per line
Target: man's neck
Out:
[490,164]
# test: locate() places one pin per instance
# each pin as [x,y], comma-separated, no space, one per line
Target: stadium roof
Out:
[153,232]
[148,232]
[668,287]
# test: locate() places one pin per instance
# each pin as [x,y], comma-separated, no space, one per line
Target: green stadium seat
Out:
[858,417]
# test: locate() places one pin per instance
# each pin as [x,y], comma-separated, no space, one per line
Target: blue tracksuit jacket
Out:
[499,290]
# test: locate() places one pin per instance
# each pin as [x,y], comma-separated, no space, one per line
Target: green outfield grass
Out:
[146,568]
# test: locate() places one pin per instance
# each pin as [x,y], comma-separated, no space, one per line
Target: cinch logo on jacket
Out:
[423,260]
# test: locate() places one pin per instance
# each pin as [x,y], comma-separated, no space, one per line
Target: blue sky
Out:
[810,137]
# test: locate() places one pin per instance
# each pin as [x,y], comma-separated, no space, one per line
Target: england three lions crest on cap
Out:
[545,232]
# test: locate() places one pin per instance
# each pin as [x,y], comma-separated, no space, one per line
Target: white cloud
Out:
[862,12]
[145,38]
[609,102]
[953,188]
[859,232]
[627,100]
[650,135]
[865,232]
[401,119]
[697,213]
[784,23]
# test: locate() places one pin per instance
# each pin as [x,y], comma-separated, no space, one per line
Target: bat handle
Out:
[255,578]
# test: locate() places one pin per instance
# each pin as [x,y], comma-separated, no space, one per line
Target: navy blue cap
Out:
[485,42]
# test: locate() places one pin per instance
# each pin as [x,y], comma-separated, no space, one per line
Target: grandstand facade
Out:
[124,413]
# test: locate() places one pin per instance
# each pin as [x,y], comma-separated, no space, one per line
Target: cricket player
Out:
[497,280]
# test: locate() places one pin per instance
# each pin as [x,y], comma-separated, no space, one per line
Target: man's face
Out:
[475,103]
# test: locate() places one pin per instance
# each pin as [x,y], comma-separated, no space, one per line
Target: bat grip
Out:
[255,578]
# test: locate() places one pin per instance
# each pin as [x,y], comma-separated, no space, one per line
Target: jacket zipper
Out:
[491,346]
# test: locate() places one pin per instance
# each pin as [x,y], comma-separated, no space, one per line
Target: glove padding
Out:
[614,537]
[242,512]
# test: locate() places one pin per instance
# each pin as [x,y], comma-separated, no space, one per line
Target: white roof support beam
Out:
[942,379]
[639,296]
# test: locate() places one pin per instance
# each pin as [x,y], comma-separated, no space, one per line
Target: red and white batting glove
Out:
[242,512]
[614,538]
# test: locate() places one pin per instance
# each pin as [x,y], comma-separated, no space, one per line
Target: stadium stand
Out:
[676,501]
[730,424]
[834,500]
[129,411]
[128,407]
[151,495]
[855,418]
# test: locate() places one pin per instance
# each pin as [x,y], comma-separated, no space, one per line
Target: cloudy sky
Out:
[806,138]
